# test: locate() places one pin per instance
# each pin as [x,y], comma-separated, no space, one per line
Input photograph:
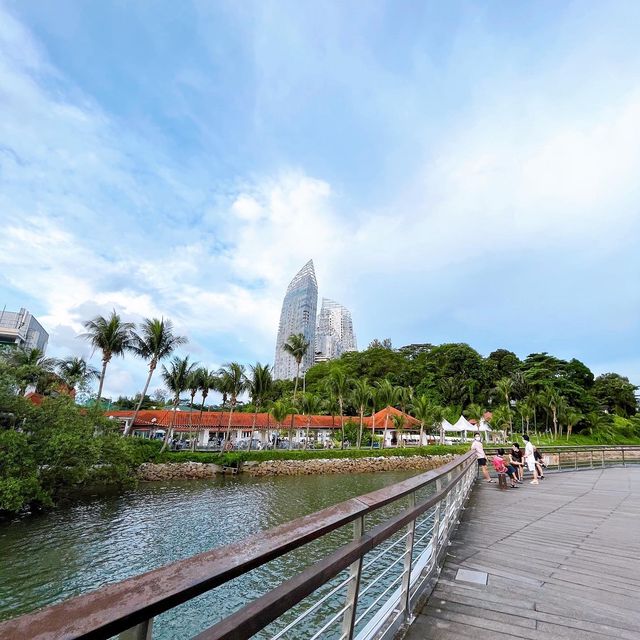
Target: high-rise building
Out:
[23,330]
[298,315]
[334,334]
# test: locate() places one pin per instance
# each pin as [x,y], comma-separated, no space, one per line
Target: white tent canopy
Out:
[447,426]
[463,425]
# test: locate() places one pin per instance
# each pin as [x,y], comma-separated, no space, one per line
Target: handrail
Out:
[135,601]
[257,615]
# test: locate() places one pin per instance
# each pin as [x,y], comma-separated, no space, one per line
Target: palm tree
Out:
[176,379]
[296,346]
[405,398]
[30,365]
[280,409]
[258,385]
[475,412]
[398,423]
[361,397]
[436,419]
[572,417]
[422,409]
[555,402]
[76,372]
[210,382]
[154,342]
[111,336]
[527,410]
[311,405]
[387,397]
[233,381]
[339,386]
[501,417]
[504,386]
[194,384]
[374,403]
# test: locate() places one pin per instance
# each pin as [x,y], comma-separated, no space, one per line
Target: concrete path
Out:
[562,560]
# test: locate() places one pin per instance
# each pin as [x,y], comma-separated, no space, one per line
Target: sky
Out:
[458,171]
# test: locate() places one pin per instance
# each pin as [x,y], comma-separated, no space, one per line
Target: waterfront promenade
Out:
[561,560]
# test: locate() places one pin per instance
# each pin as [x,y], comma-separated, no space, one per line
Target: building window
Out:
[246,434]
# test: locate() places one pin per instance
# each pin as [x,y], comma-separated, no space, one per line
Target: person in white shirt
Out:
[476,446]
[530,459]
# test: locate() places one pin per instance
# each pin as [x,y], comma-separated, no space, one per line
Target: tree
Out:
[361,397]
[154,342]
[422,410]
[381,344]
[311,405]
[616,394]
[339,386]
[29,366]
[77,373]
[501,418]
[176,379]
[111,336]
[555,402]
[387,396]
[398,422]
[280,409]
[475,412]
[296,346]
[233,382]
[504,386]
[258,385]
[194,384]
[571,418]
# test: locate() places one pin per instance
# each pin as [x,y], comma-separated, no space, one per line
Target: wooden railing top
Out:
[120,606]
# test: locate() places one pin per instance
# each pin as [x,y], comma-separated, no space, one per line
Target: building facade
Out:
[334,333]
[23,330]
[298,315]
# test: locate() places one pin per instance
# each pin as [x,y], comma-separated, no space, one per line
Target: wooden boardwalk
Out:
[562,561]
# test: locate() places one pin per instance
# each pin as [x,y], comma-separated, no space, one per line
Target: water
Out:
[46,559]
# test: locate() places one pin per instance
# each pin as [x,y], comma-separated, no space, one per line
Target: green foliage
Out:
[53,449]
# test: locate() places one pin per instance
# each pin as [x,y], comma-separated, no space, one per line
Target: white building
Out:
[334,333]
[298,315]
[23,330]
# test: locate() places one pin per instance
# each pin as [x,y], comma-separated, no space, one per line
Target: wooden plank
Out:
[563,560]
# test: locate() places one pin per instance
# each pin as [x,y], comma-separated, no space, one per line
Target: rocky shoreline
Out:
[151,472]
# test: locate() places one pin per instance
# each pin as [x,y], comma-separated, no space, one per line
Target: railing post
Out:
[408,556]
[591,452]
[623,462]
[559,454]
[602,458]
[355,572]
[141,631]
[575,460]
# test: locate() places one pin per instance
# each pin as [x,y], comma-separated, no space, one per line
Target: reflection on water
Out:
[73,550]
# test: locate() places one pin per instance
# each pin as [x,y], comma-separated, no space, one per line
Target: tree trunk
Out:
[295,392]
[373,424]
[152,366]
[384,435]
[421,433]
[232,405]
[361,426]
[253,426]
[105,362]
[341,421]
[167,435]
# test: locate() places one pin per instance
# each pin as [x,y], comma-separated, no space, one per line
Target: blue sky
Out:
[459,171]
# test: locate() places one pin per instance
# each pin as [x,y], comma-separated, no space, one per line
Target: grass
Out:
[149,450]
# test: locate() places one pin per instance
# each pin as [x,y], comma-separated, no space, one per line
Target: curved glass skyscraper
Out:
[298,315]
[334,335]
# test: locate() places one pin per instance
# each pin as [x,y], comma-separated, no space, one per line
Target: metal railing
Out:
[365,588]
[576,458]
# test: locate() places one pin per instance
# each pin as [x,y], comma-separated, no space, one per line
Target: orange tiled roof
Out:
[186,420]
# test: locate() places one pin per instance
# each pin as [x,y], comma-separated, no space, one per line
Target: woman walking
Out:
[476,446]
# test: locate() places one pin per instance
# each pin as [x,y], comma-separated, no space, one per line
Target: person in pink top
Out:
[476,446]
[501,467]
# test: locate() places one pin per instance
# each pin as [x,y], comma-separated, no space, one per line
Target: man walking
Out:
[530,458]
